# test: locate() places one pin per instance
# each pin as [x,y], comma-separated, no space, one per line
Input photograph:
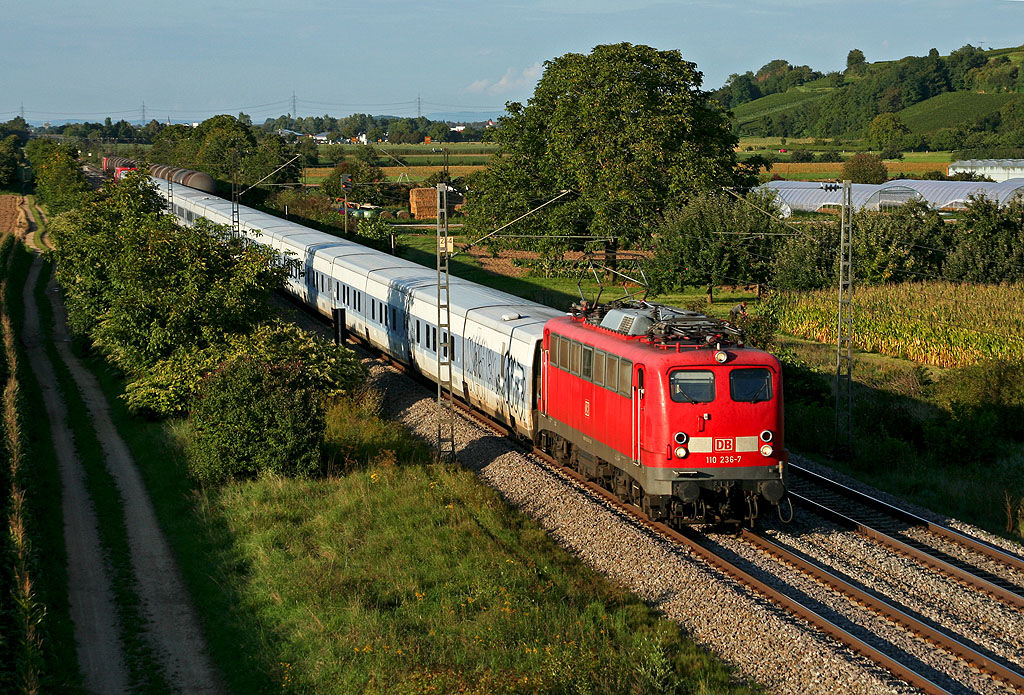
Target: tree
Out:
[901,244]
[865,168]
[141,286]
[9,150]
[855,61]
[887,131]
[626,128]
[990,245]
[367,180]
[714,239]
[60,182]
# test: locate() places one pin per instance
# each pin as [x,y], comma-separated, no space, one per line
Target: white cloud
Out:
[513,80]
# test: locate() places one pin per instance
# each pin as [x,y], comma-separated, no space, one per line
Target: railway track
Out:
[973,562]
[912,673]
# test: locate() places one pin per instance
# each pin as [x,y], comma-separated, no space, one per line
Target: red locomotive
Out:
[666,408]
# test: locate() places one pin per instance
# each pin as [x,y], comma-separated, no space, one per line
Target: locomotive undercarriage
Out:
[727,502]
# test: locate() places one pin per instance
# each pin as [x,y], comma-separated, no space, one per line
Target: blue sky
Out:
[189,60]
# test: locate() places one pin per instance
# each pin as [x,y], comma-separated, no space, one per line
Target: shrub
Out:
[801,156]
[253,418]
[865,168]
[170,385]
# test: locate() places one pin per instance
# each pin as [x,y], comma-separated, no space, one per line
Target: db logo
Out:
[586,408]
[723,445]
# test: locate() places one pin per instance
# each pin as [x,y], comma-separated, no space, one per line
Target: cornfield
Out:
[939,323]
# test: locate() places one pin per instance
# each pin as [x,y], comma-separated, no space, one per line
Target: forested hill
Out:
[981,91]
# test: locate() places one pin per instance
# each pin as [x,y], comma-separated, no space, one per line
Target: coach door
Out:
[639,406]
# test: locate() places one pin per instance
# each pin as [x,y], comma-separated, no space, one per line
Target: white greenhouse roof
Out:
[811,196]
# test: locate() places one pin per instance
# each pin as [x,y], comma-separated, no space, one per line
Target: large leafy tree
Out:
[715,239]
[626,129]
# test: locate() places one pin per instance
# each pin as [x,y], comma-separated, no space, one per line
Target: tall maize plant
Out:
[939,323]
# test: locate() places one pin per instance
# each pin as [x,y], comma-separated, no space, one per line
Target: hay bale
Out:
[423,203]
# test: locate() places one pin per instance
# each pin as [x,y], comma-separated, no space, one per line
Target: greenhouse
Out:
[814,196]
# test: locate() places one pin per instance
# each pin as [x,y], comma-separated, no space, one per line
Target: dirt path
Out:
[91,599]
[173,628]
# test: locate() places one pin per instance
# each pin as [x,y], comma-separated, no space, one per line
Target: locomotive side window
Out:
[692,386]
[598,367]
[611,368]
[625,377]
[574,358]
[587,367]
[750,385]
[563,353]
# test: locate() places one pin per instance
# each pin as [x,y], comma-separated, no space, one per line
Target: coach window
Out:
[417,330]
[692,386]
[625,377]
[433,339]
[587,367]
[750,385]
[598,367]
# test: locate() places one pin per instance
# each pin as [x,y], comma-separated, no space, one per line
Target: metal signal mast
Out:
[444,343]
[844,331]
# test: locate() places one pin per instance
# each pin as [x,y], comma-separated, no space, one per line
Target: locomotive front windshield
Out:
[692,386]
[750,385]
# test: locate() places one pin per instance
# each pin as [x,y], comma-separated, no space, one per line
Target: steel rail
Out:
[962,539]
[1010,597]
[991,665]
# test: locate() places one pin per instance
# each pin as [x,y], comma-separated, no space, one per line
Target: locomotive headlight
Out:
[766,450]
[681,452]
[682,437]
[767,436]
[721,356]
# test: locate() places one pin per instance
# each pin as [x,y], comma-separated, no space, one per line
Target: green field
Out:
[952,109]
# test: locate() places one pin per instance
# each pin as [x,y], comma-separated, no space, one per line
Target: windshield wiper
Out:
[764,385]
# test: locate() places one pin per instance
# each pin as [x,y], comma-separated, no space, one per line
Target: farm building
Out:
[995,169]
[811,196]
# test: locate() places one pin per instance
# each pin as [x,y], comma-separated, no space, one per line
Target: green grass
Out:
[952,109]
[559,292]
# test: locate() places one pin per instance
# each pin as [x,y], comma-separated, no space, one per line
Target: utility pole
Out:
[844,332]
[143,113]
[295,110]
[446,344]
[419,106]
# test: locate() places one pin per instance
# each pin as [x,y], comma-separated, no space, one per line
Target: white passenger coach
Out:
[392,304]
